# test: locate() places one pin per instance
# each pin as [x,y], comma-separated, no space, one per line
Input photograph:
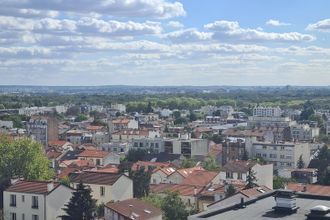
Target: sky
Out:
[165,42]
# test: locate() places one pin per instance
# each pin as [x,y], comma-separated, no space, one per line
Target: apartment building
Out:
[36,200]
[282,155]
[262,111]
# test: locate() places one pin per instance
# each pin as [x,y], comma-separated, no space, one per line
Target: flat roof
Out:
[261,208]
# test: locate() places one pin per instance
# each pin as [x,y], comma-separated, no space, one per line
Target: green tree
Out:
[149,108]
[176,114]
[300,163]
[80,117]
[210,164]
[251,179]
[187,163]
[280,182]
[180,121]
[173,207]
[154,200]
[134,155]
[192,116]
[100,210]
[21,159]
[323,153]
[307,111]
[81,205]
[65,181]
[230,190]
[141,182]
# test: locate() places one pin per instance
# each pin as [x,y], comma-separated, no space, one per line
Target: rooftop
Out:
[240,166]
[200,178]
[97,178]
[135,209]
[181,189]
[36,187]
[262,208]
[94,153]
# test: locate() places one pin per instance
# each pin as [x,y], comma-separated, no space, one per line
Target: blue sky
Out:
[164,42]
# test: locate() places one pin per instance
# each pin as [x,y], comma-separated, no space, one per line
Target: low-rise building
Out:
[99,158]
[281,155]
[36,200]
[238,171]
[105,186]
[131,209]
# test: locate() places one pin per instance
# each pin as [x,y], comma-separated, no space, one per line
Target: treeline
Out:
[292,98]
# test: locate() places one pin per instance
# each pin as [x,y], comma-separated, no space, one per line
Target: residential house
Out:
[131,209]
[124,123]
[99,158]
[36,200]
[105,186]
[238,171]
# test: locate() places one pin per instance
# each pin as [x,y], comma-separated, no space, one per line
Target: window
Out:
[98,162]
[23,216]
[264,147]
[102,190]
[12,216]
[35,202]
[13,201]
[264,155]
[239,176]
[282,156]
[23,198]
[258,155]
[35,217]
[229,175]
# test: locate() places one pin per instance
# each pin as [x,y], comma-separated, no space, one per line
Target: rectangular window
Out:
[35,217]
[23,198]
[98,162]
[35,204]
[13,201]
[12,216]
[23,216]
[239,176]
[102,190]
[282,156]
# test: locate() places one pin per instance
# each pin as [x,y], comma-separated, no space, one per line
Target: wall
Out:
[56,200]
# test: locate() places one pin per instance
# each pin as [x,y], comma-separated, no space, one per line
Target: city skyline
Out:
[163,42]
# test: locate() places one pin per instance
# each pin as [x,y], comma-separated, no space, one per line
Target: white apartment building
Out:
[35,200]
[261,111]
[282,156]
[105,186]
[303,132]
[119,107]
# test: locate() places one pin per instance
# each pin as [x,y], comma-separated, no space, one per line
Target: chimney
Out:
[285,202]
[50,186]
[242,205]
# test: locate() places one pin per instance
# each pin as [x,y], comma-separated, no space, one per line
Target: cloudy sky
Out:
[164,42]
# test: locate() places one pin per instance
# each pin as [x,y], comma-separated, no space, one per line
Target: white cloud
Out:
[188,35]
[323,25]
[175,24]
[276,23]
[231,30]
[120,8]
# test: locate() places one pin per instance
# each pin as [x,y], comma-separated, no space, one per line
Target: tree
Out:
[134,155]
[307,111]
[65,181]
[216,138]
[323,153]
[173,207]
[141,182]
[22,158]
[280,182]
[192,116]
[300,163]
[100,210]
[154,200]
[210,164]
[176,114]
[180,121]
[81,205]
[80,118]
[245,156]
[187,163]
[251,179]
[149,108]
[230,190]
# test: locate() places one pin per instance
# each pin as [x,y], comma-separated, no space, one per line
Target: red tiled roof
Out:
[182,189]
[66,172]
[238,166]
[94,128]
[135,209]
[57,143]
[53,154]
[121,121]
[187,171]
[95,178]
[200,178]
[148,164]
[94,153]
[167,170]
[255,191]
[310,189]
[37,187]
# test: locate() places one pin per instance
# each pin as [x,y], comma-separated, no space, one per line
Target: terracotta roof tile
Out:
[238,166]
[187,171]
[182,189]
[149,165]
[95,178]
[255,191]
[311,189]
[37,187]
[57,143]
[135,209]
[200,178]
[94,153]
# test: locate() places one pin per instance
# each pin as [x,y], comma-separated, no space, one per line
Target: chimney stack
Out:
[50,186]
